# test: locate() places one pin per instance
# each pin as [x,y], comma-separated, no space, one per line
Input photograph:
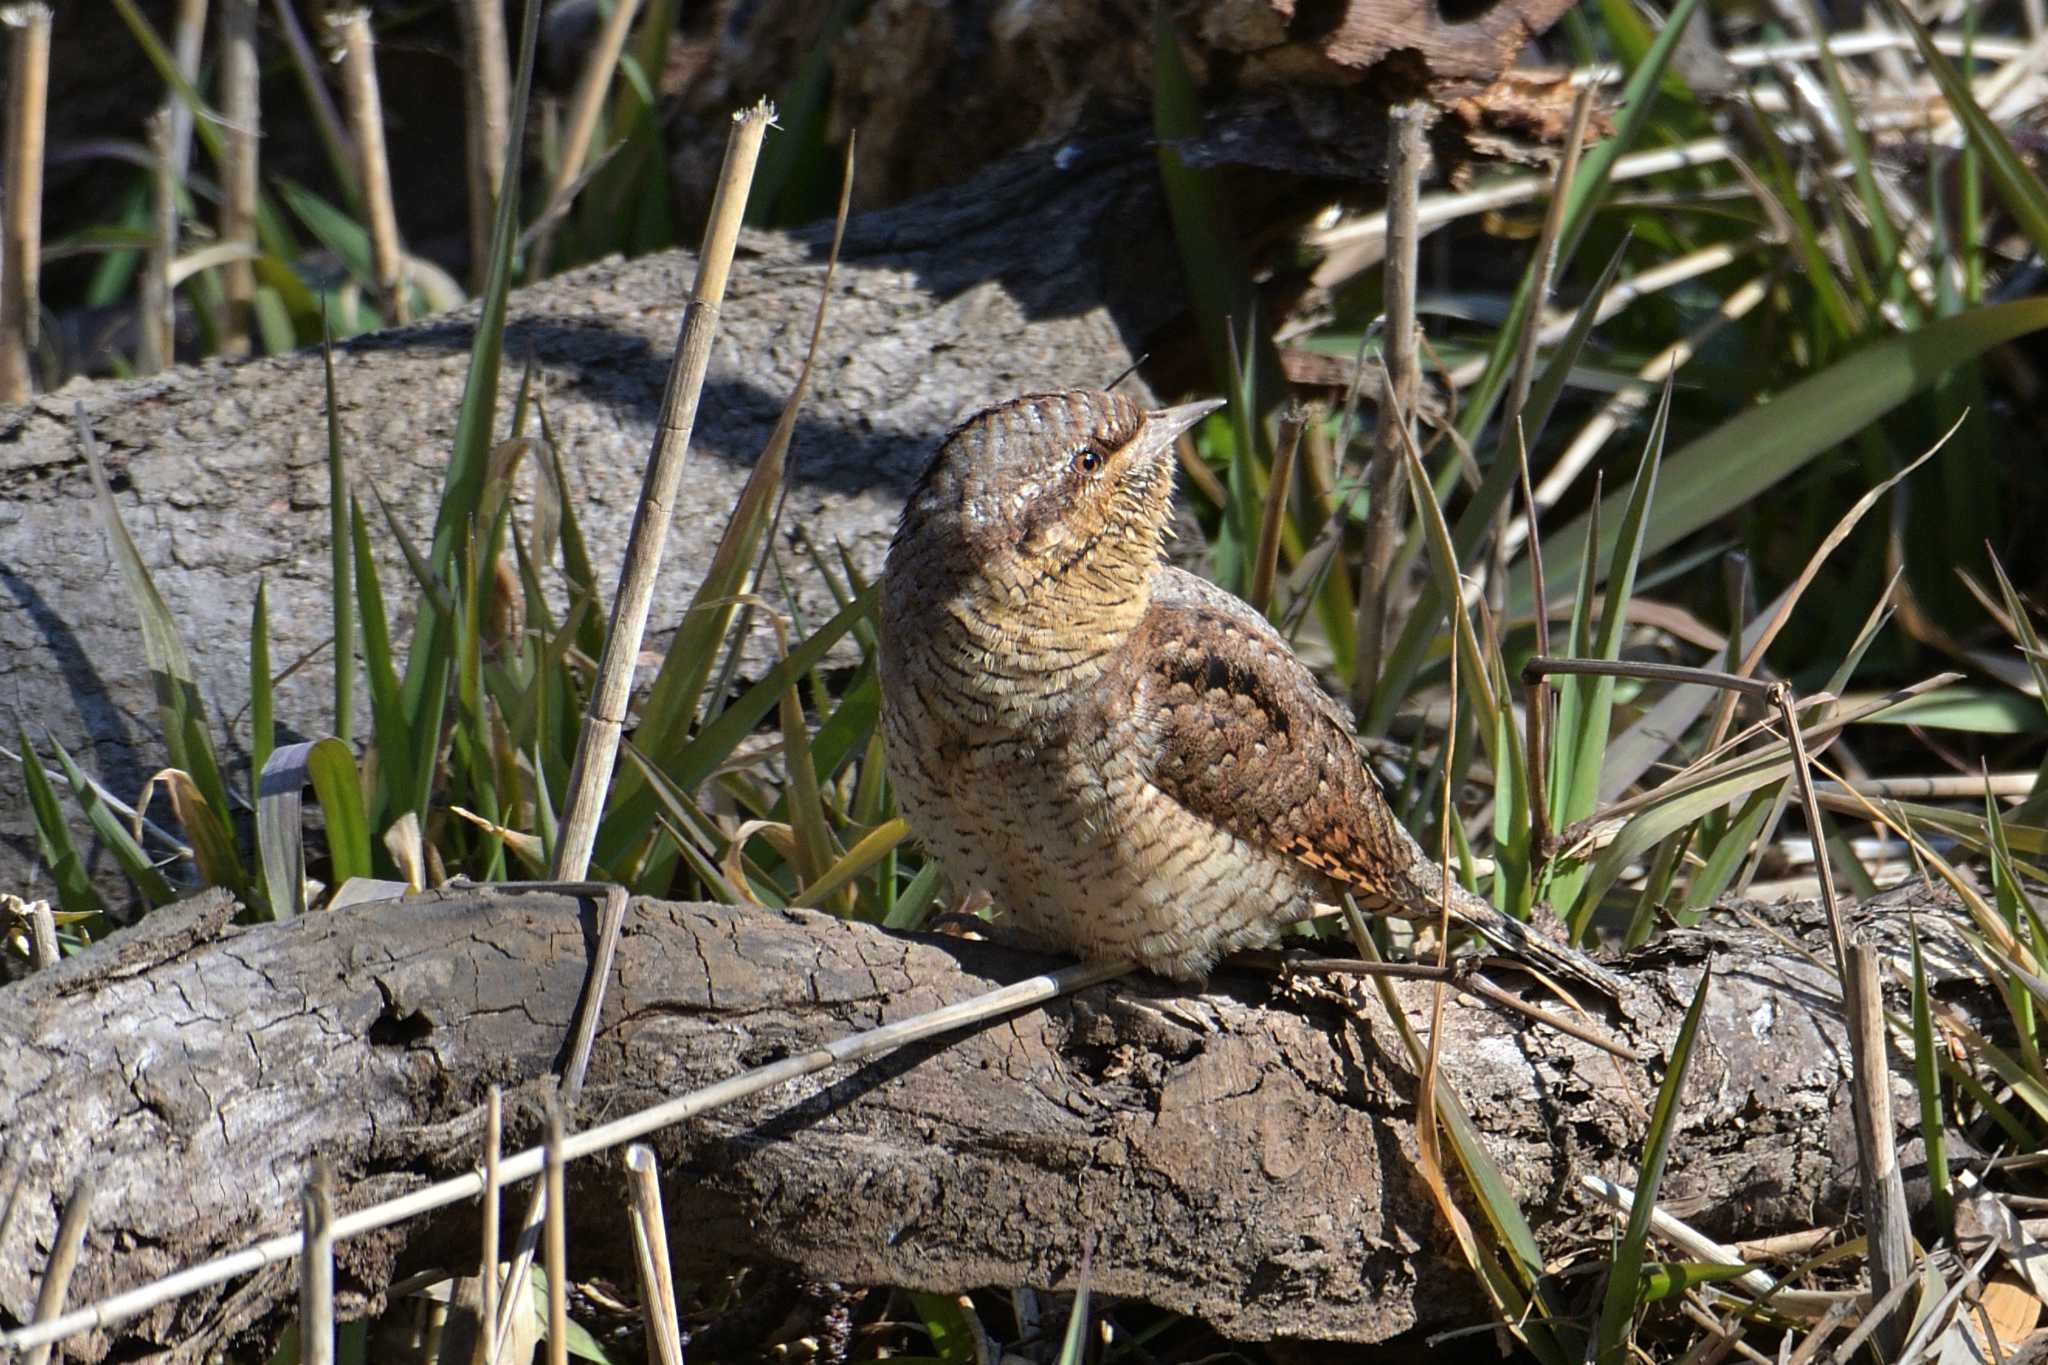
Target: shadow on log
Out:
[1242,1154]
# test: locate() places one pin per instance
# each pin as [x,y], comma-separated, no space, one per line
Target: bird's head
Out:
[1061,493]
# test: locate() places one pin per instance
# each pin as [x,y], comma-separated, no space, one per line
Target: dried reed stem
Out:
[42,935]
[1884,1192]
[598,747]
[487,1280]
[1400,382]
[316,1267]
[158,319]
[71,1228]
[487,77]
[28,91]
[557,1239]
[366,119]
[242,112]
[650,1250]
[584,105]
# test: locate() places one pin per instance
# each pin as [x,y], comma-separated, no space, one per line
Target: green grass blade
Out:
[395,765]
[1927,1075]
[915,901]
[1624,1280]
[179,707]
[340,545]
[262,701]
[75,891]
[2019,189]
[328,766]
[854,863]
[113,831]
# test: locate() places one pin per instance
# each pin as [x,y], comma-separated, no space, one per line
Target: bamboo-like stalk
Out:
[340,147]
[486,79]
[487,1281]
[242,112]
[585,102]
[650,1247]
[855,1048]
[598,747]
[1884,1192]
[316,1267]
[557,1238]
[28,90]
[366,121]
[158,319]
[71,1228]
[1400,382]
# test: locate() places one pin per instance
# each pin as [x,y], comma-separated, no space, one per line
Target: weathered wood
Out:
[1046,270]
[1243,1154]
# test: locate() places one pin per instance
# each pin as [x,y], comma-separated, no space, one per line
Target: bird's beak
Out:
[1164,427]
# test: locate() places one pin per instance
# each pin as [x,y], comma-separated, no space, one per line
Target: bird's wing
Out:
[1248,739]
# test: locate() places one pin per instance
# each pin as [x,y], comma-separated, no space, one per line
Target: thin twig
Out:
[366,118]
[71,1229]
[597,750]
[28,89]
[1401,381]
[316,1267]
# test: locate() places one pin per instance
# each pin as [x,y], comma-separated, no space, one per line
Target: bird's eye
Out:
[1087,459]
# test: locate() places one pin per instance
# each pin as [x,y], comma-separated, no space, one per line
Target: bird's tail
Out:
[1522,941]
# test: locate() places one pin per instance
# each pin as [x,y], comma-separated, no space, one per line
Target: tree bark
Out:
[1047,270]
[1242,1154]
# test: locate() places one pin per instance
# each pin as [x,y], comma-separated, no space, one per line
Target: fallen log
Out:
[1243,1154]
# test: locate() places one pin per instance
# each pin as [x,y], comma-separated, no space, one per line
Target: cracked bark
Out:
[1243,1154]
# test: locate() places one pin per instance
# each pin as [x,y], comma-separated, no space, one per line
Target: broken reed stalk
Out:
[853,1049]
[28,90]
[650,1249]
[158,320]
[584,106]
[1279,481]
[334,139]
[1401,379]
[316,1267]
[71,1228]
[598,747]
[242,114]
[42,935]
[487,1274]
[366,120]
[557,1238]
[188,38]
[539,1208]
[486,83]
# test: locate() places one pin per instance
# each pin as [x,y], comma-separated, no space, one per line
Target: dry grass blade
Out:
[71,1228]
[598,747]
[28,88]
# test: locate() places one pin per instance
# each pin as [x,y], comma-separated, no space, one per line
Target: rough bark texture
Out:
[1243,1154]
[1047,270]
